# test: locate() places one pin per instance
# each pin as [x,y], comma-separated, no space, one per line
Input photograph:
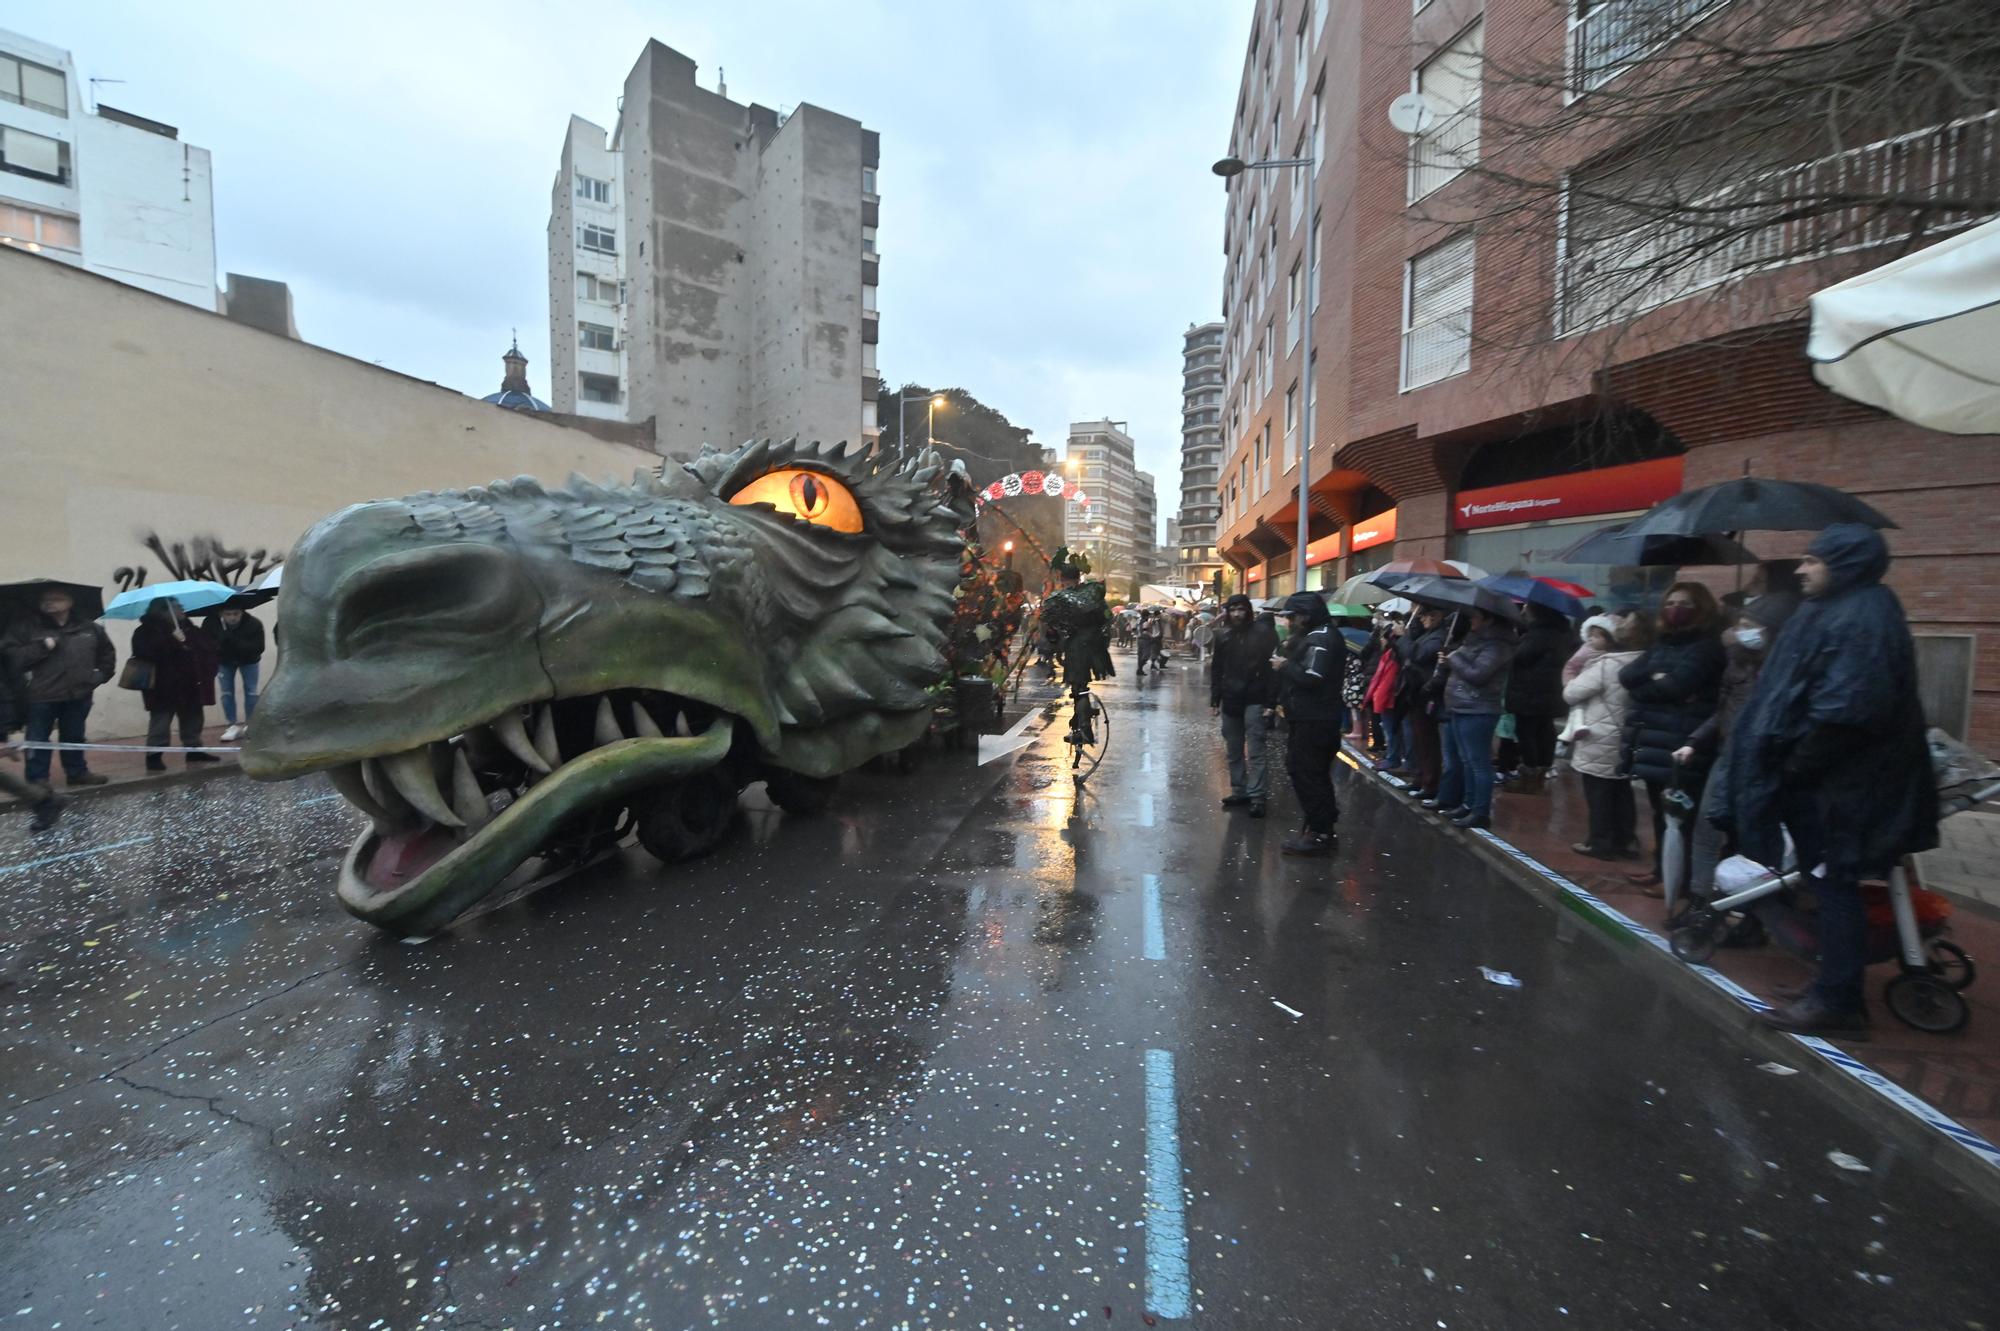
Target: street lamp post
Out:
[1236,166]
[903,419]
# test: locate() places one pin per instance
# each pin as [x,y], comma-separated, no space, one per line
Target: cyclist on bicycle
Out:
[1078,626]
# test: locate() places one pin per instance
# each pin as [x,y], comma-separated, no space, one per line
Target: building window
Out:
[1291,426]
[34,86]
[867,180]
[25,226]
[868,242]
[1608,37]
[1437,313]
[1312,260]
[599,387]
[1449,81]
[589,286]
[1301,186]
[596,337]
[868,298]
[592,190]
[1299,54]
[35,155]
[601,239]
[1294,290]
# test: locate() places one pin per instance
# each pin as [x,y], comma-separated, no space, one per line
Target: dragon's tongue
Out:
[404,855]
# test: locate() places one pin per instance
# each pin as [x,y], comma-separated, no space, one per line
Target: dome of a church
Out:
[514,393]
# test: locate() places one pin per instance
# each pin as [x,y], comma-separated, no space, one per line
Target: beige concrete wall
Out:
[123,414]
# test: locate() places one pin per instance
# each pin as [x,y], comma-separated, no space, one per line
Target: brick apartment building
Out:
[1472,398]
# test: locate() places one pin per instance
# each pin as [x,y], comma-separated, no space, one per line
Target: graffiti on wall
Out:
[203,557]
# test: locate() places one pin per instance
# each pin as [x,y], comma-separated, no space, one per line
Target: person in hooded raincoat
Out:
[1831,748]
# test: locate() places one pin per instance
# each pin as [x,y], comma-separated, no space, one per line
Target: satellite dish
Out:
[1412,113]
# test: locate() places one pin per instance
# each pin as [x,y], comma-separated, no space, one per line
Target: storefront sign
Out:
[1608,490]
[1374,531]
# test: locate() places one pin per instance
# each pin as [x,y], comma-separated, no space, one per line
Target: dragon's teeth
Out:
[607,731]
[382,792]
[643,722]
[508,729]
[353,788]
[545,739]
[410,772]
[681,725]
[468,801]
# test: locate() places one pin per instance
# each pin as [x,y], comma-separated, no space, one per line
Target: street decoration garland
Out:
[1013,486]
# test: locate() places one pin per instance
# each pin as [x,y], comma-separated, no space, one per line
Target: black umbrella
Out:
[1620,547]
[25,598]
[1457,594]
[1754,503]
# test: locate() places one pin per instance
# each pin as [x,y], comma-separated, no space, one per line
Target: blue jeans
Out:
[1393,754]
[1468,762]
[226,676]
[56,718]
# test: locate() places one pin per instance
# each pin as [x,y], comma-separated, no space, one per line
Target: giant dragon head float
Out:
[477,670]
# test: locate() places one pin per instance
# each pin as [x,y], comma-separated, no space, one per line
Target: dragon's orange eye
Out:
[810,496]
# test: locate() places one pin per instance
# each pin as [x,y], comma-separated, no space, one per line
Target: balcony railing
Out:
[1774,218]
[1610,36]
[1440,153]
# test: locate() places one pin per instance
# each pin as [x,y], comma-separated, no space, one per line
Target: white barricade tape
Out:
[115,748]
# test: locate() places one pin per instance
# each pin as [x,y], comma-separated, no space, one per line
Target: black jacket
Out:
[1417,652]
[81,659]
[1309,683]
[1534,678]
[1835,717]
[1240,673]
[1665,712]
[238,646]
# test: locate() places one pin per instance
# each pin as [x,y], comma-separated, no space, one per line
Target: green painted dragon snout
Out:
[483,671]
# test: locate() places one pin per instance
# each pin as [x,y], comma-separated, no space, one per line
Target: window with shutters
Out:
[1437,313]
[592,190]
[598,387]
[601,239]
[1449,81]
[596,337]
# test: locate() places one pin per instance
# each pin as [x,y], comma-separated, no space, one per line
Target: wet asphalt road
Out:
[916,1062]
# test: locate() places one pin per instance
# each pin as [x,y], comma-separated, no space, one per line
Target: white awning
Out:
[1919,337]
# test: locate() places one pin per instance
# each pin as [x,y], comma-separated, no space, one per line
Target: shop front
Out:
[1526,525]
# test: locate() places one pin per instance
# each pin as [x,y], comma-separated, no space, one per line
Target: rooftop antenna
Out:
[721,83]
[93,90]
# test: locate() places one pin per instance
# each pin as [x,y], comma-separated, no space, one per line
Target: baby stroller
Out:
[1906,922]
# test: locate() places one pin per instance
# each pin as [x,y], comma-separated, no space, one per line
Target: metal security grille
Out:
[1437,319]
[1450,82]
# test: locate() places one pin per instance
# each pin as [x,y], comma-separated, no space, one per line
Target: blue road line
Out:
[74,855]
[1167,1291]
[322,799]
[1146,761]
[1145,811]
[1156,934]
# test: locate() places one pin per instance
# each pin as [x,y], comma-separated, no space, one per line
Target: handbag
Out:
[137,674]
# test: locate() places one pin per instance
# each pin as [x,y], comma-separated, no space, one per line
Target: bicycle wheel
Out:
[1090,731]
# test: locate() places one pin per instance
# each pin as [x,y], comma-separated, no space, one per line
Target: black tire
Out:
[1926,1003]
[800,795]
[1694,943]
[1952,964]
[683,819]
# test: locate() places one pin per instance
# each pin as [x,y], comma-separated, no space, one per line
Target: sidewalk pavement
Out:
[127,770]
[1958,1073]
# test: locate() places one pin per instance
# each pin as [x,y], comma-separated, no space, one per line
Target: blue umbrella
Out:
[1355,637]
[1521,587]
[193,595]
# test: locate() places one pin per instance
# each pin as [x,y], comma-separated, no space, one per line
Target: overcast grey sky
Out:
[1049,223]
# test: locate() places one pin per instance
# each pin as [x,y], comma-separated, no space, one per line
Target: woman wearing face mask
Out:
[1674,687]
[1747,646]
